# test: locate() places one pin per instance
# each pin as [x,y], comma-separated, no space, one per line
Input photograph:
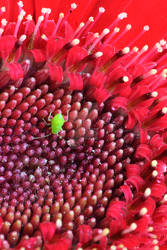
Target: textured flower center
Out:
[71,175]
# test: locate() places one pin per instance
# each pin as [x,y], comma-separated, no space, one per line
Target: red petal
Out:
[85,233]
[29,244]
[56,72]
[15,71]
[38,55]
[61,244]
[76,82]
[53,46]
[75,55]
[48,230]
[127,193]
[6,45]
[101,95]
[97,79]
[143,151]
[158,190]
[132,170]
[136,181]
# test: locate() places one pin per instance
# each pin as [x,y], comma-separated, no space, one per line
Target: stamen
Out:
[90,20]
[154,163]
[31,42]
[158,115]
[147,193]
[143,211]
[17,45]
[73,7]
[131,228]
[44,37]
[145,29]
[3,22]
[115,31]
[128,27]
[120,17]
[86,59]
[2,10]
[81,25]
[117,55]
[61,16]
[142,77]
[65,48]
[1,31]
[111,85]
[103,34]
[142,98]
[101,11]
[150,53]
[143,50]
[20,18]
[105,232]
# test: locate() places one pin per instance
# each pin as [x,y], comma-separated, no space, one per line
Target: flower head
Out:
[82,133]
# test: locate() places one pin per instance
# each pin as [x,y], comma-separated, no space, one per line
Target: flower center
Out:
[71,175]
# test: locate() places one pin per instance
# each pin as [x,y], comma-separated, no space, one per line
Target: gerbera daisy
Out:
[83,114]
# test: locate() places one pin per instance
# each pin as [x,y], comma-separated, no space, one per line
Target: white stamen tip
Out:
[147,192]
[155,173]
[27,61]
[22,14]
[122,15]
[153,71]
[146,28]
[96,34]
[73,6]
[154,94]
[44,10]
[4,22]
[98,54]
[143,211]
[1,31]
[116,30]
[40,18]
[75,42]
[48,11]
[44,37]
[106,31]
[126,50]
[22,38]
[20,4]
[133,226]
[81,24]
[29,18]
[102,10]
[164,73]
[91,19]
[164,110]
[145,48]
[135,49]
[163,42]
[154,163]
[165,197]
[3,9]
[125,78]
[128,26]
[113,247]
[61,15]
[58,223]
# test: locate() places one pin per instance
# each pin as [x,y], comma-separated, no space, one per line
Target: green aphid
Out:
[57,123]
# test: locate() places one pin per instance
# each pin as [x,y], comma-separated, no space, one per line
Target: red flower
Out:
[99,181]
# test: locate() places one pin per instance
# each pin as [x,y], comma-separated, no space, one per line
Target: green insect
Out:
[57,123]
